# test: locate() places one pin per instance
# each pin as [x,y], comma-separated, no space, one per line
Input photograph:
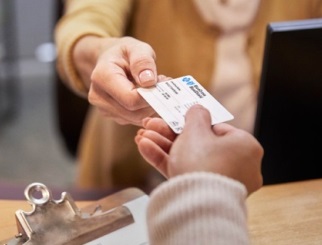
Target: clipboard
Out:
[117,219]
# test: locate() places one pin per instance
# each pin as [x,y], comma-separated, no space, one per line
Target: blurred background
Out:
[32,147]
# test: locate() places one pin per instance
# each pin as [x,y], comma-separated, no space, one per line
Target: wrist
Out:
[85,54]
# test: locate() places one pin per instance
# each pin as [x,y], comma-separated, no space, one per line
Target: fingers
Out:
[111,108]
[150,149]
[162,142]
[160,126]
[154,143]
[123,64]
[109,77]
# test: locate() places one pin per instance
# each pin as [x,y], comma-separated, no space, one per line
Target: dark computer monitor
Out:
[289,115]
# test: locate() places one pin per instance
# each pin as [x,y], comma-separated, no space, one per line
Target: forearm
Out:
[199,208]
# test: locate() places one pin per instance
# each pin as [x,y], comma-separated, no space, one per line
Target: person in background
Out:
[106,48]
[210,171]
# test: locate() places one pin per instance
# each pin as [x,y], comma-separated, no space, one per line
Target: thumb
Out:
[142,65]
[198,120]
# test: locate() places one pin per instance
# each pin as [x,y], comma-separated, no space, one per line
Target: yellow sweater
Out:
[182,42]
[174,29]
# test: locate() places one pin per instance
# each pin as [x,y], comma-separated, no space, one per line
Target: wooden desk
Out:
[279,214]
[287,214]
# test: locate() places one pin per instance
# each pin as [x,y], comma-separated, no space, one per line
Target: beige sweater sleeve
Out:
[86,17]
[198,208]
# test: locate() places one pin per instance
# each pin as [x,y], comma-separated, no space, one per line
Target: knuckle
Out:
[95,76]
[241,135]
[255,147]
[133,102]
[130,104]
[121,121]
[127,39]
[143,61]
[92,96]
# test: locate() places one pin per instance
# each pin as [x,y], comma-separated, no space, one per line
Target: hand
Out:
[221,149]
[112,68]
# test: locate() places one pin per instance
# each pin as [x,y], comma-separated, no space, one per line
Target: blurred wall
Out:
[35,21]
[25,26]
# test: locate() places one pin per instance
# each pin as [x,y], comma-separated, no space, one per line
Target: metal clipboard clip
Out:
[62,222]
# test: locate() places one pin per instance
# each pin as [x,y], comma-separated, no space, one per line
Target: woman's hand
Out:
[111,69]
[220,149]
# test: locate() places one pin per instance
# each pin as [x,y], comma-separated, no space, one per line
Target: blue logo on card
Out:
[194,86]
[188,81]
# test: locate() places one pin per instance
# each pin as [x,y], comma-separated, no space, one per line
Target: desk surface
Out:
[278,214]
[287,214]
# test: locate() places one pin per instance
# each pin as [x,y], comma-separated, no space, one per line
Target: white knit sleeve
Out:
[198,208]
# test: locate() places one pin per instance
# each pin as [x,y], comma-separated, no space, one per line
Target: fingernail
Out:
[146,76]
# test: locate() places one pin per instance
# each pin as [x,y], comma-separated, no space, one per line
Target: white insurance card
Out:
[171,100]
